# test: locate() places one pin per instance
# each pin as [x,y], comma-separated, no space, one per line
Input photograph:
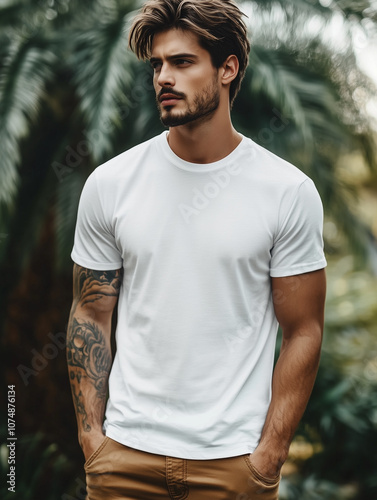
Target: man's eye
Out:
[180,62]
[156,66]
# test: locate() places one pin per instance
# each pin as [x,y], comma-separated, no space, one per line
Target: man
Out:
[206,241]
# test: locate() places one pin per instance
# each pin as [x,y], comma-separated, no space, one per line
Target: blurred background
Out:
[73,96]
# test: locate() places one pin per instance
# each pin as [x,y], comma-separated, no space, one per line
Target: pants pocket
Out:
[96,453]
[266,481]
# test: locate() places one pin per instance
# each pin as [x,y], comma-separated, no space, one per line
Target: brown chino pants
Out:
[117,472]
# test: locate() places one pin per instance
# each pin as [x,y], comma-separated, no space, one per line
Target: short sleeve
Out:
[94,244]
[298,246]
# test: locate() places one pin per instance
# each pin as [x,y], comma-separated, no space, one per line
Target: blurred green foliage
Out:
[42,470]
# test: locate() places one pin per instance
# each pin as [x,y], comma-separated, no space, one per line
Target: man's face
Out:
[185,80]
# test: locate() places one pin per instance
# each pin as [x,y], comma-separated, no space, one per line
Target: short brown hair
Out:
[217,23]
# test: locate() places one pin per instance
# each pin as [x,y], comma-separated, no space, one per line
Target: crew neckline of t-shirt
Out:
[199,167]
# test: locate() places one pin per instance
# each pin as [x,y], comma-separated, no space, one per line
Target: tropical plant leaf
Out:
[25,72]
[351,9]
[103,76]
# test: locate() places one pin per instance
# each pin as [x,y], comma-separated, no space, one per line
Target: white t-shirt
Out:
[196,328]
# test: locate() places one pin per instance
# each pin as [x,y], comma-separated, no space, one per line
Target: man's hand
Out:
[267,464]
[91,442]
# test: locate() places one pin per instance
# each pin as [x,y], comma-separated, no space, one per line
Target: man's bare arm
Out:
[95,294]
[299,307]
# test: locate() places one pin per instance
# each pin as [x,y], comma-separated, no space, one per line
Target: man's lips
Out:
[169,99]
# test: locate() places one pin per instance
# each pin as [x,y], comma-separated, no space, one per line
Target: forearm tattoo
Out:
[88,354]
[80,408]
[93,285]
[86,349]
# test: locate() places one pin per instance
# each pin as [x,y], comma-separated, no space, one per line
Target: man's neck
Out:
[205,142]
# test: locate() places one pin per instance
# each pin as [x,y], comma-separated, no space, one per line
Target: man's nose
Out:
[166,76]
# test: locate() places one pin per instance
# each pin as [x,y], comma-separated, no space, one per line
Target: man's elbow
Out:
[99,310]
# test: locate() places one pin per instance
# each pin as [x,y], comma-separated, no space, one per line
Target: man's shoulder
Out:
[126,161]
[272,167]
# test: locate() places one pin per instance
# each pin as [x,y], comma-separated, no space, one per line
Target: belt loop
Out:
[176,478]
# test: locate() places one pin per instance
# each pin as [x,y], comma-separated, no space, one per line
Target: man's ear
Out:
[230,69]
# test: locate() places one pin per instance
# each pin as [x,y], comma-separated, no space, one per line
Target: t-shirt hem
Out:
[282,272]
[183,453]
[96,266]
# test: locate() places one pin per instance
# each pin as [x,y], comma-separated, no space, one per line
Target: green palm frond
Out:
[359,9]
[140,118]
[25,71]
[303,98]
[12,10]
[27,16]
[350,9]
[103,76]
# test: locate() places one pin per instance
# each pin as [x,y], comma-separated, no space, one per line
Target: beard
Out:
[202,108]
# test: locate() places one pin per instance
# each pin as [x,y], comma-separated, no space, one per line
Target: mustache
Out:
[170,91]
